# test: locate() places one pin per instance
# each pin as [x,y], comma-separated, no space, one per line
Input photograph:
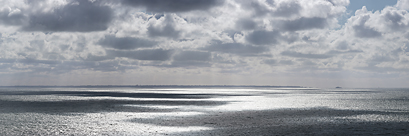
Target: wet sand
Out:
[131,111]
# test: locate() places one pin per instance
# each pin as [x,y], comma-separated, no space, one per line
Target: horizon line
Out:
[277,86]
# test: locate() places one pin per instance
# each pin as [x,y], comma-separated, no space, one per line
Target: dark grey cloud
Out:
[35,61]
[173,5]
[236,48]
[303,55]
[308,63]
[271,62]
[381,58]
[286,62]
[91,57]
[192,56]
[10,18]
[125,43]
[147,54]
[4,60]
[303,23]
[395,19]
[158,16]
[344,51]
[76,16]
[246,24]
[259,9]
[274,62]
[164,31]
[363,31]
[262,37]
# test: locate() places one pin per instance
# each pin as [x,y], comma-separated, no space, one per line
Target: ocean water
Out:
[202,111]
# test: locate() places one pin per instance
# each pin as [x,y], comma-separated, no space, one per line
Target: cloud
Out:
[339,2]
[180,37]
[245,24]
[262,37]
[168,30]
[403,4]
[125,43]
[259,9]
[192,56]
[363,31]
[334,52]
[188,64]
[30,61]
[35,61]
[91,57]
[287,8]
[304,24]
[376,59]
[367,24]
[272,8]
[303,55]
[10,16]
[271,62]
[343,45]
[76,16]
[394,19]
[281,62]
[286,62]
[188,59]
[146,54]
[160,6]
[236,48]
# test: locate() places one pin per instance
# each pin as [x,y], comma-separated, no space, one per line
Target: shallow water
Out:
[202,111]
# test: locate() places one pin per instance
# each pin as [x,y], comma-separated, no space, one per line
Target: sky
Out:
[313,43]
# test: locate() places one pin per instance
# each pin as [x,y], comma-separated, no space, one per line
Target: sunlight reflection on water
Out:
[126,111]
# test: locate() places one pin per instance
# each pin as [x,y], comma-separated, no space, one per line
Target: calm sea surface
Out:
[202,111]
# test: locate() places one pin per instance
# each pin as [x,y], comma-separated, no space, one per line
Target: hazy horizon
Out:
[320,43]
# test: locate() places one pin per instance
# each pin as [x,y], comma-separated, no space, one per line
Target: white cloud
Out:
[403,4]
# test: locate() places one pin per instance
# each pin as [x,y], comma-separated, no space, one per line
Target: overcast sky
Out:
[314,43]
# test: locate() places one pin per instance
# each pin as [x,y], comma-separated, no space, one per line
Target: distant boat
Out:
[338,87]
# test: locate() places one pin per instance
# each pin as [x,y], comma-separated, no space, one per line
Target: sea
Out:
[202,110]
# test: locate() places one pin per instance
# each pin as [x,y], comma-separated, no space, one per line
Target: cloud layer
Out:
[275,42]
